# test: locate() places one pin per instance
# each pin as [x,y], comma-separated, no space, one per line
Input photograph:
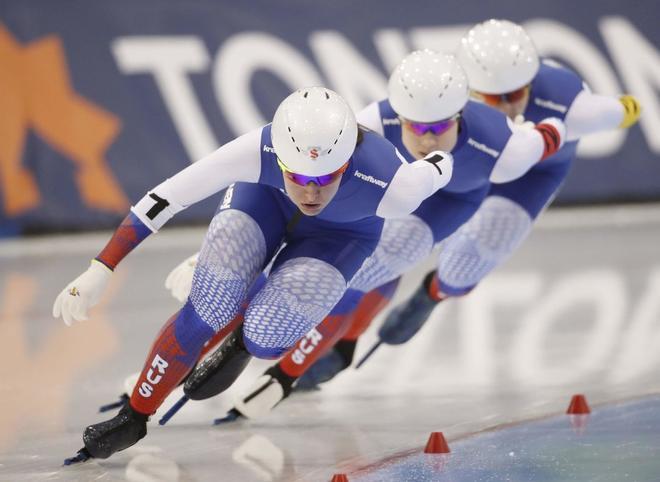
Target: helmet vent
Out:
[305,94]
[327,96]
[405,87]
[480,64]
[446,86]
[293,139]
[518,52]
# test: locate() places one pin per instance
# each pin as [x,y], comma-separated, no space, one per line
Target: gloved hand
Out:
[82,293]
[631,110]
[179,281]
[520,121]
[444,163]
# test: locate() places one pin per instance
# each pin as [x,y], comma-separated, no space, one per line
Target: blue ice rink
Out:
[615,443]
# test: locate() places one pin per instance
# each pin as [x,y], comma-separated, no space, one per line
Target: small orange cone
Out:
[436,444]
[339,478]
[578,406]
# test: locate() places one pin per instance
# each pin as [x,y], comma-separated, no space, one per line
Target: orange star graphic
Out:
[36,93]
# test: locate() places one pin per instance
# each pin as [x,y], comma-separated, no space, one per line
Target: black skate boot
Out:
[217,373]
[125,429]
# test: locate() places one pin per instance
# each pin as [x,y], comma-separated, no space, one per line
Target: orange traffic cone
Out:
[578,406]
[436,444]
[339,478]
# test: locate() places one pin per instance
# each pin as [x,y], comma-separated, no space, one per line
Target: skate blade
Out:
[231,416]
[368,354]
[123,398]
[175,408]
[82,456]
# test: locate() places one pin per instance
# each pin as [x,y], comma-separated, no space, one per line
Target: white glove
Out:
[179,281]
[444,162]
[82,293]
[520,121]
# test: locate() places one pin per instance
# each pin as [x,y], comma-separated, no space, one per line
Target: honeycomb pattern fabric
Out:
[232,255]
[404,243]
[485,241]
[296,297]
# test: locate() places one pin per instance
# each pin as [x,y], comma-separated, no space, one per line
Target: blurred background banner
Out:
[99,101]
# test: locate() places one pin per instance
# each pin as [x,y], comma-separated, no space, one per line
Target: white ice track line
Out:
[191,238]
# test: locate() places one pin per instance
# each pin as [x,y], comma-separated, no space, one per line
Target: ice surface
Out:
[576,310]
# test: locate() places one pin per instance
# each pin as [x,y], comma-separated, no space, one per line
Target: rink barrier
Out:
[116,105]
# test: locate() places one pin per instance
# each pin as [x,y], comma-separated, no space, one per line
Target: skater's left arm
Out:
[414,182]
[591,113]
[527,145]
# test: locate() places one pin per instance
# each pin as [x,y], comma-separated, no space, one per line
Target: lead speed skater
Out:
[293,180]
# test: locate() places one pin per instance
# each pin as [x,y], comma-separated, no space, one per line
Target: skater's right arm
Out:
[238,160]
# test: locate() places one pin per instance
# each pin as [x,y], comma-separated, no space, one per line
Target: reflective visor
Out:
[303,180]
[437,128]
[509,97]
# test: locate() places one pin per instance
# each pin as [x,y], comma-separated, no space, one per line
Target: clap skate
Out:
[105,438]
[215,374]
[404,321]
[327,367]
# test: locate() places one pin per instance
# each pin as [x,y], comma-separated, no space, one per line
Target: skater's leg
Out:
[321,338]
[233,254]
[222,277]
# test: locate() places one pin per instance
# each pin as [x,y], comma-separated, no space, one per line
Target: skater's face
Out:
[422,138]
[312,194]
[510,104]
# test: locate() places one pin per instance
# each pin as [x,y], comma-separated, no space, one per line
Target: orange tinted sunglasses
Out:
[509,97]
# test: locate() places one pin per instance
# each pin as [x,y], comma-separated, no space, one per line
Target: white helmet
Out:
[498,57]
[314,131]
[427,86]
